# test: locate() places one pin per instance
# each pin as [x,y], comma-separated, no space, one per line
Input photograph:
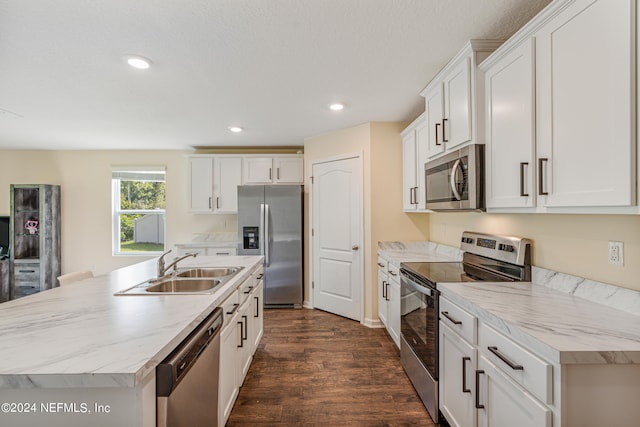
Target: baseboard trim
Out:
[373,323]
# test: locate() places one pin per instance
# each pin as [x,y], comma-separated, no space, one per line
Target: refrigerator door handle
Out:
[266,234]
[262,233]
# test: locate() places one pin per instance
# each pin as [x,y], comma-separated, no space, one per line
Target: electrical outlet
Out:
[616,256]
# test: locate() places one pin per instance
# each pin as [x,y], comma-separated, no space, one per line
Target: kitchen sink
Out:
[184,285]
[208,272]
[185,281]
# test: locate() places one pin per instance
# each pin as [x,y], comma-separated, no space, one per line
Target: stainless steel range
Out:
[486,258]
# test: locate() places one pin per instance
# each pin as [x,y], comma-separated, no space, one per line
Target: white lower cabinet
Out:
[228,386]
[457,366]
[503,403]
[488,380]
[389,298]
[239,338]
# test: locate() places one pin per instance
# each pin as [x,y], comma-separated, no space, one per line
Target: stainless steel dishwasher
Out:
[187,380]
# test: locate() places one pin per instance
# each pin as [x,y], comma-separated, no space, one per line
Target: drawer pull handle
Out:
[26,271]
[478,405]
[464,375]
[393,273]
[260,276]
[235,307]
[505,359]
[380,265]
[451,319]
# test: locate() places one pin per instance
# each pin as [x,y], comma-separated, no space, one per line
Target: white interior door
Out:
[337,237]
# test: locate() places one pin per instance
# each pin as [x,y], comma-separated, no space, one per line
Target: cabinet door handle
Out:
[411,195]
[217,202]
[444,138]
[386,286]
[522,166]
[451,319]
[541,191]
[209,202]
[415,195]
[464,375]
[278,173]
[241,333]
[384,289]
[478,405]
[257,307]
[437,143]
[246,327]
[270,178]
[505,359]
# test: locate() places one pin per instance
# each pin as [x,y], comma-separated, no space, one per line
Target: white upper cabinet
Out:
[561,115]
[201,180]
[213,184]
[456,125]
[586,77]
[289,170]
[258,170]
[434,109]
[510,109]
[414,156]
[227,177]
[453,100]
[273,170]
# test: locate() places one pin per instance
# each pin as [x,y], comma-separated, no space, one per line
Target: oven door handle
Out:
[455,167]
[416,287]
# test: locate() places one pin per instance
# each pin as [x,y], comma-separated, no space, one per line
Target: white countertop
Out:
[560,327]
[81,335]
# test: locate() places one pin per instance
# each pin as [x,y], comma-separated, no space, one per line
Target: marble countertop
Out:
[81,335]
[560,327]
[398,252]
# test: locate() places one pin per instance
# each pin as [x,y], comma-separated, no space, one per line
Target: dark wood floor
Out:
[314,368]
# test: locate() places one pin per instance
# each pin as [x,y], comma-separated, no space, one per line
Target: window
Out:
[138,210]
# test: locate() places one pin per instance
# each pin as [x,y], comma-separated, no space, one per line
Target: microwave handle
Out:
[455,167]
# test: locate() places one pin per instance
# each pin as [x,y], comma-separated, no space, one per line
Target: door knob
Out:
[355,247]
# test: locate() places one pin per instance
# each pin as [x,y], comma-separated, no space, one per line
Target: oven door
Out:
[419,322]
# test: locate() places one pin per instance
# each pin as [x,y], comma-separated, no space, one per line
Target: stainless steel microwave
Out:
[455,181]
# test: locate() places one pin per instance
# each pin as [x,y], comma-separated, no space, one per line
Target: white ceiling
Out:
[270,66]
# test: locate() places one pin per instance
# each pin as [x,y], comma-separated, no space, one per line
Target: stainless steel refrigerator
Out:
[270,224]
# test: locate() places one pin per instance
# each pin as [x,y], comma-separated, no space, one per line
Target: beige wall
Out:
[380,146]
[573,244]
[85,179]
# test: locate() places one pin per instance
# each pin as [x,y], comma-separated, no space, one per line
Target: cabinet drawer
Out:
[230,307]
[382,264]
[26,273]
[459,320]
[394,272]
[246,287]
[221,251]
[525,368]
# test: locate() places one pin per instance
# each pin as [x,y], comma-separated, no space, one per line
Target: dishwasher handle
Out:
[177,364]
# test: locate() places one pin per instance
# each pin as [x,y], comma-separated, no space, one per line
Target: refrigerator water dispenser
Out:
[250,238]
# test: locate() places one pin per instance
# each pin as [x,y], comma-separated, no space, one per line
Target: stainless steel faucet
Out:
[162,269]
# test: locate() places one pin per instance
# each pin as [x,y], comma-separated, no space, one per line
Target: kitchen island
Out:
[79,355]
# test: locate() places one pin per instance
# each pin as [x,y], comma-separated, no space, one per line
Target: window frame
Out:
[116,212]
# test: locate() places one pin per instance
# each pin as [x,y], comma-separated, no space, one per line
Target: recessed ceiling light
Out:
[139,62]
[235,129]
[336,107]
